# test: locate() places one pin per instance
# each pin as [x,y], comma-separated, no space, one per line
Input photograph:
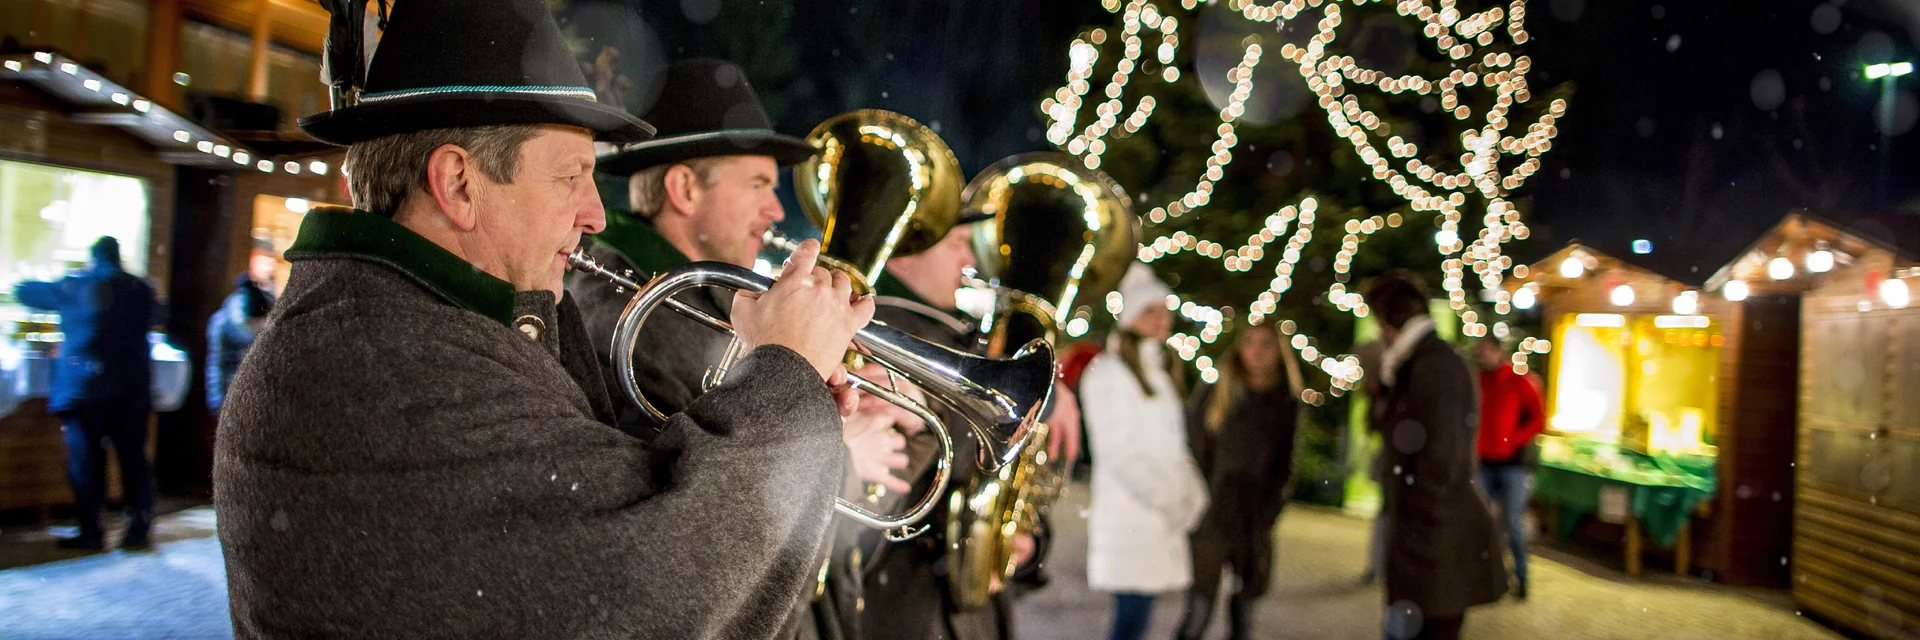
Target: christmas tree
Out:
[1420,104]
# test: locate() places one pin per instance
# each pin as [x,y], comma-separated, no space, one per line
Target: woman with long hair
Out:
[1242,432]
[1147,491]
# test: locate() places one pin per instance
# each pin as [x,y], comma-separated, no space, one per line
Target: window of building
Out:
[108,36]
[50,216]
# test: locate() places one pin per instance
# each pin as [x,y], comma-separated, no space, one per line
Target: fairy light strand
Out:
[1338,83]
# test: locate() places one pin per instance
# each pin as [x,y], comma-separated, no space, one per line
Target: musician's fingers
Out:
[803,259]
[862,312]
[1056,443]
[906,421]
[895,461]
[895,484]
[744,303]
[842,285]
[844,395]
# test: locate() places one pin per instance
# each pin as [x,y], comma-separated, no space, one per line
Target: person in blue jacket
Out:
[230,333]
[102,387]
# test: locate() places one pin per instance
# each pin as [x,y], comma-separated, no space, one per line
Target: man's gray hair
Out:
[382,172]
[647,189]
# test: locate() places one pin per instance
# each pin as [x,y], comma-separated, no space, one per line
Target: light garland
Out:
[1336,81]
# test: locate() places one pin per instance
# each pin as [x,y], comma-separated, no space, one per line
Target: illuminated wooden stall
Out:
[1856,520]
[1665,413]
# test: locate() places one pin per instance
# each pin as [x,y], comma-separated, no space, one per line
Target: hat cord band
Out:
[571,92]
[665,141]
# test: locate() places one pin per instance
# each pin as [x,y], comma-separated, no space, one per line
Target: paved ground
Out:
[179,591]
[1315,593]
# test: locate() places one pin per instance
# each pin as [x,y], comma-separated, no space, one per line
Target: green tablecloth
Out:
[1660,491]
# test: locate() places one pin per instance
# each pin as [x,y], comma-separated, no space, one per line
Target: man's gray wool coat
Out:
[414,450]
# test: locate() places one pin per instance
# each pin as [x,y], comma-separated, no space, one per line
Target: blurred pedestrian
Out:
[1242,430]
[1147,491]
[230,333]
[102,387]
[1510,417]
[1376,396]
[1443,552]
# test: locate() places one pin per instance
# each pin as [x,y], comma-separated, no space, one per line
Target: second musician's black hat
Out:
[706,109]
[460,63]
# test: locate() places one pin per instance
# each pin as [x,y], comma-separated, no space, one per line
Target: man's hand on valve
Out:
[903,420]
[875,450]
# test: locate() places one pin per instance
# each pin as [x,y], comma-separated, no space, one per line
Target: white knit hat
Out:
[1140,290]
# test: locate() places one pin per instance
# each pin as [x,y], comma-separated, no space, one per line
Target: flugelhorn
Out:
[999,399]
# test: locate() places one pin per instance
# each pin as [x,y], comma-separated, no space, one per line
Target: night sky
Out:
[1696,125]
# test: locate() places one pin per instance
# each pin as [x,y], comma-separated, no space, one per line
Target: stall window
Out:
[49,216]
[1676,386]
[1589,375]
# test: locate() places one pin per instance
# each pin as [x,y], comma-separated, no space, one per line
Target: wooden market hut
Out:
[1670,411]
[1856,531]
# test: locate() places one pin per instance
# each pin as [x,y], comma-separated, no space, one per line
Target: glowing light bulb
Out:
[1894,293]
[1572,267]
[1621,296]
[1686,304]
[1734,291]
[1523,299]
[1780,268]
[1820,261]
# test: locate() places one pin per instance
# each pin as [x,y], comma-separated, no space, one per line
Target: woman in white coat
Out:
[1147,491]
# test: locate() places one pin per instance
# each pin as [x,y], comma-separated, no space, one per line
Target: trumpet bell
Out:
[1061,233]
[882,185]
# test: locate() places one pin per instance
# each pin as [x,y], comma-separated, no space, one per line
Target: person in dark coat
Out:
[102,388]
[906,593]
[1241,429]
[1443,548]
[702,191]
[230,333]
[420,443]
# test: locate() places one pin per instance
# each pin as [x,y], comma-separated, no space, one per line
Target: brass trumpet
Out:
[999,399]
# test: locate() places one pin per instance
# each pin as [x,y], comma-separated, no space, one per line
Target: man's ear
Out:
[451,180]
[683,189]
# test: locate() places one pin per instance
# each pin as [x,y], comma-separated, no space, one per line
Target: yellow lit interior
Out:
[1641,385]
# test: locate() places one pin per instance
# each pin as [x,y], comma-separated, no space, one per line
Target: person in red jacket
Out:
[1510,417]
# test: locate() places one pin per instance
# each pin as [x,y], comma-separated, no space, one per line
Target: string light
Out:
[1734,291]
[1492,162]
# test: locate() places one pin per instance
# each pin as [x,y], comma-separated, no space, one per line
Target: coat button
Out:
[531,326]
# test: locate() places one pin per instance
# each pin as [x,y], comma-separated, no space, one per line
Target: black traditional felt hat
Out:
[706,109]
[459,63]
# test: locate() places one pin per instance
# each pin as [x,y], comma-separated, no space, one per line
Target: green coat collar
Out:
[641,244]
[338,232]
[892,287]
